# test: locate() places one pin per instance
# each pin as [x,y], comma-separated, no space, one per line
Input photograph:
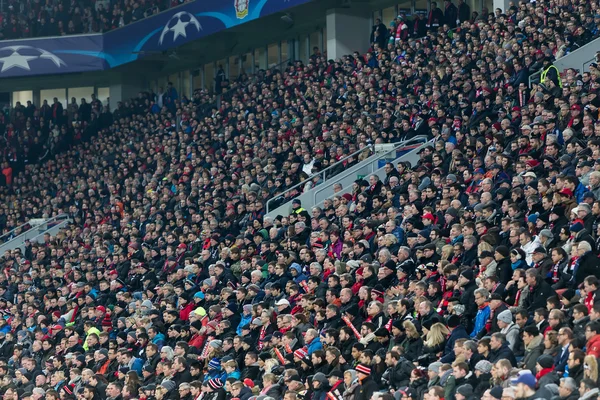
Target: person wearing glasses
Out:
[565,336]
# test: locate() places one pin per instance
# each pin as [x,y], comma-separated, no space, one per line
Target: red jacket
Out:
[593,346]
[184,313]
[197,341]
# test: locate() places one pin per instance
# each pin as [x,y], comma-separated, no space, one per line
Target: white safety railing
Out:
[412,157]
[382,153]
[50,225]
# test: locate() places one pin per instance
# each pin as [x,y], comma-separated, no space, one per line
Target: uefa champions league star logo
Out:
[21,56]
[178,25]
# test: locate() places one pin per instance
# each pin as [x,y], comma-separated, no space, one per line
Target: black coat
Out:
[451,15]
[414,348]
[468,299]
[503,352]
[432,318]
[576,373]
[464,12]
[252,372]
[470,257]
[482,385]
[538,295]
[399,375]
[504,270]
[366,389]
[588,265]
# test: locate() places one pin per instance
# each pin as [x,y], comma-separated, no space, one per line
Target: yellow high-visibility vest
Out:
[545,72]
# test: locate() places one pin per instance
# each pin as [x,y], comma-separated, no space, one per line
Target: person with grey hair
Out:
[312,341]
[567,390]
[583,171]
[588,262]
[267,222]
[404,260]
[584,213]
[320,255]
[256,276]
[546,239]
[595,183]
[38,393]
[315,269]
[167,352]
[301,234]
[384,256]
[517,181]
[483,312]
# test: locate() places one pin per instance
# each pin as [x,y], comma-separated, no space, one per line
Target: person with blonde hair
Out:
[447,252]
[413,343]
[434,344]
[590,368]
[270,365]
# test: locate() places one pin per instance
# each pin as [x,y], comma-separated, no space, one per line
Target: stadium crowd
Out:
[39,18]
[470,275]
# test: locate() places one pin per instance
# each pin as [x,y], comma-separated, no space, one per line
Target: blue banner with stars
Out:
[96,52]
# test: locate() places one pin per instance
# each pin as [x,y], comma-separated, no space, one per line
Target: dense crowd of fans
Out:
[470,275]
[38,18]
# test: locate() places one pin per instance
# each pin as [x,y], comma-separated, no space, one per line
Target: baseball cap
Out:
[525,377]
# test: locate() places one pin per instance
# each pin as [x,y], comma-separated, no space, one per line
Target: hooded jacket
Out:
[300,277]
[532,352]
[512,334]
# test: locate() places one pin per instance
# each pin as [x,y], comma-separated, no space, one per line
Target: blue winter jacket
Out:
[480,320]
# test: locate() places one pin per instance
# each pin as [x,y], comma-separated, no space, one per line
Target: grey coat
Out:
[532,352]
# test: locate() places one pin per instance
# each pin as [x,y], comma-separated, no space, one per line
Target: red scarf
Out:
[589,301]
[543,372]
[261,336]
[555,272]
[517,297]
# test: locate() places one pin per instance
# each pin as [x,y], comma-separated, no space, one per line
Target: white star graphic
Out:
[52,57]
[179,29]
[16,60]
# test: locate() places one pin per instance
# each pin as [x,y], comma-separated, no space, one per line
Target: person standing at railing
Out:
[419,26]
[379,33]
[450,14]
[435,19]
[550,74]
[170,97]
[464,11]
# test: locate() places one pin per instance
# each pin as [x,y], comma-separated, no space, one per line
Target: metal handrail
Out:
[46,223]
[7,234]
[317,174]
[583,65]
[58,226]
[535,74]
[348,189]
[586,63]
[378,155]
